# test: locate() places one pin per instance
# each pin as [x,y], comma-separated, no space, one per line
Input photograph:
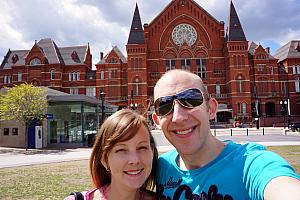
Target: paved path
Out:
[12,157]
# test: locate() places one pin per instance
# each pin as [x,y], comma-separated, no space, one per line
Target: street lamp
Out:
[283,110]
[133,106]
[102,96]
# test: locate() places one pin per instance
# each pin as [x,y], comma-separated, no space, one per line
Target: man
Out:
[203,167]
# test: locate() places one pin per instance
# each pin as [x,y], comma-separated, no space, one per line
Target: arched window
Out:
[137,87]
[218,89]
[239,60]
[140,63]
[244,108]
[239,83]
[170,64]
[52,74]
[201,67]
[297,85]
[234,60]
[241,108]
[35,61]
[136,64]
[102,75]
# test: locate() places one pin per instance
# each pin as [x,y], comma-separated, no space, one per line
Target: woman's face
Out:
[130,162]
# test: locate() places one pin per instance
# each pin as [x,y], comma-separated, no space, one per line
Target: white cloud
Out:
[103,23]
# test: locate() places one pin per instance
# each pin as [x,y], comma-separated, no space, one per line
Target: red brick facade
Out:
[243,76]
[68,69]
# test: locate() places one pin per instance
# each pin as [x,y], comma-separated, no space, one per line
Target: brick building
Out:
[243,76]
[67,69]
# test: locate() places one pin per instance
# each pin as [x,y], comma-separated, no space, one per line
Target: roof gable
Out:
[136,35]
[234,30]
[114,52]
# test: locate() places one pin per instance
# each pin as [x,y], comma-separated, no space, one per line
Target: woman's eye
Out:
[143,148]
[120,150]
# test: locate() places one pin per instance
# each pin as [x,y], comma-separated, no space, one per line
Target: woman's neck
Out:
[116,193]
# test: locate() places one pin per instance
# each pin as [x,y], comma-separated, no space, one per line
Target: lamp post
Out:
[289,112]
[102,96]
[133,106]
[283,110]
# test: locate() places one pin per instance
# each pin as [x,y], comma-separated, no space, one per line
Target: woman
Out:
[123,160]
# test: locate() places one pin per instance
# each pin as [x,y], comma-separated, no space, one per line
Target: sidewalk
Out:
[13,157]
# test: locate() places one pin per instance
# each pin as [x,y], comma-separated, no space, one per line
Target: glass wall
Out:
[71,122]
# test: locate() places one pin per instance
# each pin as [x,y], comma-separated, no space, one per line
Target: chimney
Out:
[268,50]
[101,55]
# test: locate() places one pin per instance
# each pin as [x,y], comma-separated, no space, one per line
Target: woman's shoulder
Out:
[148,195]
[72,196]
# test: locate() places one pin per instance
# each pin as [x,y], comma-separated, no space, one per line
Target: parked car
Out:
[295,126]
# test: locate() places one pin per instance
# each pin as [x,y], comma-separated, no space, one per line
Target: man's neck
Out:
[201,158]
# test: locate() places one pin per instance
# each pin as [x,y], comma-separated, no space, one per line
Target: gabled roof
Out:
[234,30]
[136,35]
[50,50]
[8,59]
[289,50]
[53,54]
[252,46]
[119,54]
[193,2]
[66,53]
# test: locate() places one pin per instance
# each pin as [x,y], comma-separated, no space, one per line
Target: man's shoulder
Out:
[168,158]
[247,147]
[169,155]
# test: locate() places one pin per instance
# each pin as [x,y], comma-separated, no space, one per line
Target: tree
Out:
[23,103]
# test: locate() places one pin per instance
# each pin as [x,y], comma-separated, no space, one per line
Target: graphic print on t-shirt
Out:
[186,192]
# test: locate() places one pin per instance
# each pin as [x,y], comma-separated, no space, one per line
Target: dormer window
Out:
[297,46]
[35,61]
[261,57]
[74,56]
[15,58]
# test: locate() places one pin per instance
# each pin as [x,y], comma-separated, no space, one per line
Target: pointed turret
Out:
[234,31]
[136,35]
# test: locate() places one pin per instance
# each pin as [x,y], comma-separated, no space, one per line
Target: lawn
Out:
[56,180]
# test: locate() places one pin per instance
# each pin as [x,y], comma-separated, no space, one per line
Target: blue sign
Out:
[49,116]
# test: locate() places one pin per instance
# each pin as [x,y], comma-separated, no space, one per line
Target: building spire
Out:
[136,35]
[234,30]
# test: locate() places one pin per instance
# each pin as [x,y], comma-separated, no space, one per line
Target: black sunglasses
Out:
[189,98]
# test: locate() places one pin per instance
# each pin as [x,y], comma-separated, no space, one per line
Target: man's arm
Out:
[282,187]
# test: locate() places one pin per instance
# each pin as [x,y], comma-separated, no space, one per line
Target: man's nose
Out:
[179,113]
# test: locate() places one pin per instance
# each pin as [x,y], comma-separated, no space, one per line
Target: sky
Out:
[106,23]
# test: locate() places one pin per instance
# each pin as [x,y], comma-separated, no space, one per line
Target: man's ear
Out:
[213,108]
[155,119]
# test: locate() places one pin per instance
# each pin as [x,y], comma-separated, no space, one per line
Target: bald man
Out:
[203,167]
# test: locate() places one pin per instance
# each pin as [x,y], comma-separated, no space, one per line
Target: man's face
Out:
[185,128]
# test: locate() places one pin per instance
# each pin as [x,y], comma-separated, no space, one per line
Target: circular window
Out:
[184,33]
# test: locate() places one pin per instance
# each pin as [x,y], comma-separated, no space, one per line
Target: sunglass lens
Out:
[163,105]
[190,98]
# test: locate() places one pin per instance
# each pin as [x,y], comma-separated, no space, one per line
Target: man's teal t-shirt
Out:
[239,172]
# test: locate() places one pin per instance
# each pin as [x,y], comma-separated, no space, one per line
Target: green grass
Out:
[290,153]
[56,180]
[47,181]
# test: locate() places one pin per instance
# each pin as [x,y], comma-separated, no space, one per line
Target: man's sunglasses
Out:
[189,98]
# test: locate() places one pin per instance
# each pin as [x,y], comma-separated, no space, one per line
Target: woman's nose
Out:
[133,158]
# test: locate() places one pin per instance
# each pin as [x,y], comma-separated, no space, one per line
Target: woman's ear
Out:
[213,108]
[105,164]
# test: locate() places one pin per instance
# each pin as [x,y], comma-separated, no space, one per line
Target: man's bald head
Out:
[176,80]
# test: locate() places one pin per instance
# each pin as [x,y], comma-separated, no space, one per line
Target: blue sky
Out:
[103,23]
